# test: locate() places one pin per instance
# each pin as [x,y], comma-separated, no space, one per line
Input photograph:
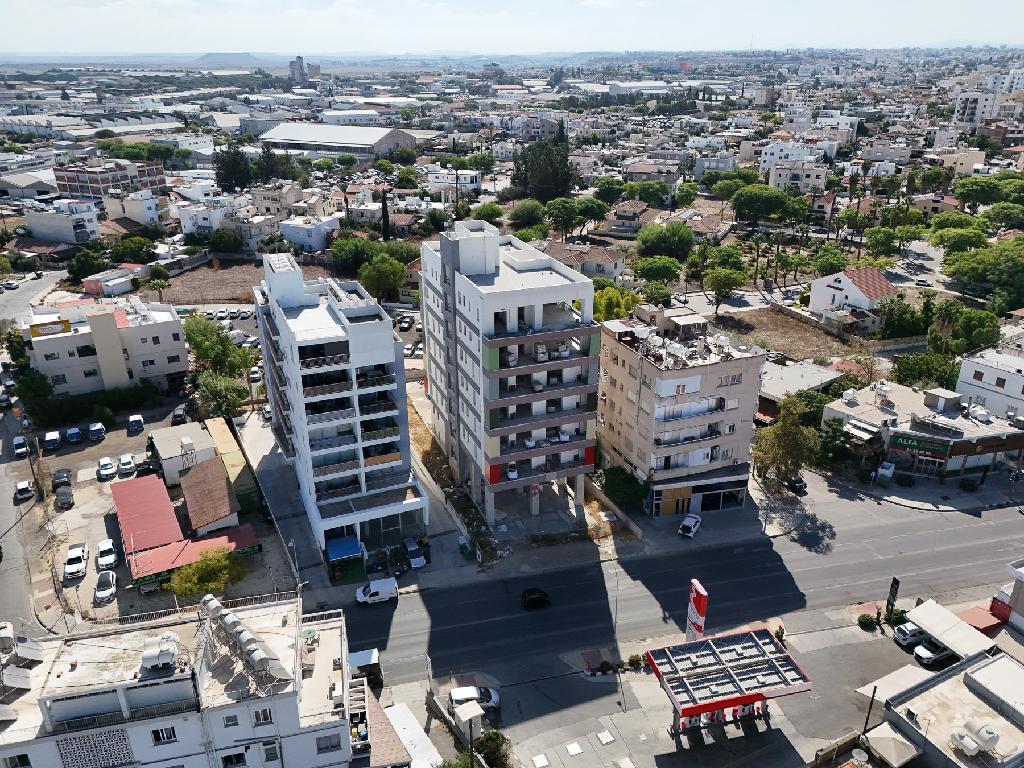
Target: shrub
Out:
[606,667]
[494,747]
[866,621]
[895,617]
[636,661]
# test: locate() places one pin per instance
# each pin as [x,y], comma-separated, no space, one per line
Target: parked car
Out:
[408,350]
[534,597]
[406,322]
[179,416]
[797,485]
[266,413]
[487,698]
[51,441]
[908,635]
[10,285]
[146,467]
[244,314]
[72,435]
[105,469]
[690,525]
[106,554]
[77,561]
[20,445]
[97,431]
[106,586]
[9,383]
[922,283]
[24,490]
[65,497]
[135,424]
[932,652]
[254,374]
[126,464]
[377,591]
[233,313]
[417,559]
[5,400]
[222,314]
[61,478]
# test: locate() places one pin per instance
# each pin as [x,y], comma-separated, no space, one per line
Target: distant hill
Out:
[227,60]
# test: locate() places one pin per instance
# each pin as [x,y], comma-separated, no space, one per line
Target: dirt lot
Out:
[780,333]
[231,284]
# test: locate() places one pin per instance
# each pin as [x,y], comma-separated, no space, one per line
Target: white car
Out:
[105,469]
[106,587]
[222,314]
[254,374]
[126,465]
[931,651]
[24,490]
[106,554]
[233,314]
[487,698]
[76,562]
[908,635]
[408,350]
[690,525]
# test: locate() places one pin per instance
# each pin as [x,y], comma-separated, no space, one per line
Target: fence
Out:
[184,610]
[625,519]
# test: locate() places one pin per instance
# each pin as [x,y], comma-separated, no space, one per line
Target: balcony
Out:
[334,494]
[519,450]
[384,458]
[118,718]
[547,332]
[526,363]
[323,362]
[367,382]
[673,419]
[322,418]
[268,319]
[545,473]
[285,442]
[659,443]
[529,393]
[335,469]
[332,442]
[390,480]
[550,418]
[383,406]
[380,434]
[327,389]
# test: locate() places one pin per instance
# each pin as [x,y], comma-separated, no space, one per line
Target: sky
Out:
[473,26]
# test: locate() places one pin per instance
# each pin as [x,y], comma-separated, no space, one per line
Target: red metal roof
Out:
[179,553]
[145,514]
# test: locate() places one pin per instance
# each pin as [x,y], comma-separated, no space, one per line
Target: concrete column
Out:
[535,500]
[578,496]
[489,508]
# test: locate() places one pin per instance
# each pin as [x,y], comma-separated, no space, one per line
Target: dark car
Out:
[72,435]
[179,416]
[65,497]
[535,598]
[145,467]
[797,485]
[61,479]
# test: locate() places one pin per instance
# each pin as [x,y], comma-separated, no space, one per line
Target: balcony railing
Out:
[378,407]
[117,718]
[716,409]
[549,413]
[663,443]
[333,469]
[323,362]
[332,442]
[339,415]
[327,389]
[334,494]
[283,440]
[380,434]
[394,480]
[376,381]
[384,458]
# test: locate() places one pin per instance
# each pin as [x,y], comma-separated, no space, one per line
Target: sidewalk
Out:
[931,495]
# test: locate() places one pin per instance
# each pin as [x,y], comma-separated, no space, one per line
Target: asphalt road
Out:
[15,305]
[483,629]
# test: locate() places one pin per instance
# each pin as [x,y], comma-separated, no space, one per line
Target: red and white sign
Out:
[697,611]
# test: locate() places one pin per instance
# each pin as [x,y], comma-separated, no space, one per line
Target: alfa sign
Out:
[697,611]
[49,329]
[916,444]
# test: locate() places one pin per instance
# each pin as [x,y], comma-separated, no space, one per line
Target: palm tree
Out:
[757,239]
[158,285]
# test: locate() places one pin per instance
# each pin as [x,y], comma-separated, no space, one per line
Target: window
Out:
[230,761]
[164,735]
[59,379]
[737,378]
[90,372]
[328,743]
[51,356]
[156,339]
[730,429]
[176,337]
[270,752]
[262,717]
[148,363]
[680,389]
[86,350]
[144,340]
[978,376]
[230,721]
[1000,382]
[174,358]
[17,761]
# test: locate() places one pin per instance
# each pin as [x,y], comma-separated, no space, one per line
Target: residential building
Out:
[252,228]
[66,221]
[351,117]
[626,219]
[802,176]
[336,381]
[469,181]
[787,152]
[297,70]
[275,198]
[971,108]
[667,173]
[883,151]
[677,408]
[322,140]
[142,207]
[782,377]
[311,233]
[720,161]
[88,345]
[511,361]
[179,448]
[935,202]
[209,214]
[113,282]
[191,141]
[850,298]
[994,378]
[217,687]
[592,259]
[95,178]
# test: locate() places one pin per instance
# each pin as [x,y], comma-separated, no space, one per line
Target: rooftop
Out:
[778,381]
[320,133]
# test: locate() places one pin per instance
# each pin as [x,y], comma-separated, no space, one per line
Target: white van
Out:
[487,698]
[377,591]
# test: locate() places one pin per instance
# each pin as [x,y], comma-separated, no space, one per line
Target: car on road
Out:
[135,424]
[24,490]
[65,497]
[37,275]
[20,445]
[106,586]
[909,635]
[76,562]
[10,285]
[254,374]
[534,597]
[690,525]
[417,558]
[932,652]
[487,698]
[72,435]
[105,469]
[681,298]
[126,464]
[266,413]
[233,314]
[377,591]
[61,477]
[922,283]
[51,441]
[106,554]
[797,485]
[406,322]
[244,314]
[222,314]
[179,416]
[407,351]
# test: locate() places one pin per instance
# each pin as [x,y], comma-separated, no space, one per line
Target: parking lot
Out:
[411,337]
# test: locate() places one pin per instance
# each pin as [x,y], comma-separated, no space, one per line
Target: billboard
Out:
[51,328]
[697,612]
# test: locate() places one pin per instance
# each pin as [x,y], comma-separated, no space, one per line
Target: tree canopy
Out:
[382,277]
[489,212]
[663,269]
[782,450]
[225,241]
[723,283]
[213,350]
[609,189]
[563,213]
[675,239]
[232,168]
[212,573]
[757,202]
[543,170]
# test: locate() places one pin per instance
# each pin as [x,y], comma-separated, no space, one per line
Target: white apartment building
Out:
[213,688]
[204,217]
[971,108]
[191,141]
[994,379]
[143,206]
[511,365]
[336,382]
[445,178]
[87,345]
[803,176]
[311,233]
[66,221]
[351,117]
[677,408]
[252,228]
[275,198]
[787,152]
[721,161]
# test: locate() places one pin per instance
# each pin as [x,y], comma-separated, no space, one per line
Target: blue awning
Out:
[344,548]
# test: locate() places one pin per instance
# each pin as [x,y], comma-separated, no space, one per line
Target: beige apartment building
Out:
[676,407]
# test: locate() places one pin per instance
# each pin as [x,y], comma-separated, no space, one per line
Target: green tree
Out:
[225,241]
[159,272]
[651,192]
[757,202]
[899,318]
[489,212]
[613,303]
[609,189]
[154,284]
[495,748]
[723,283]
[881,241]
[898,215]
[382,277]
[324,164]
[954,220]
[526,213]
[932,179]
[85,263]
[133,250]
[348,254]
[833,447]
[675,239]
[1012,190]
[214,351]
[655,292]
[232,168]
[407,178]
[5,265]
[211,574]
[543,171]
[481,161]
[973,191]
[906,234]
[384,166]
[590,209]
[662,269]
[959,240]
[726,188]
[404,155]
[686,193]
[346,161]
[782,450]
[563,213]
[828,260]
[34,390]
[406,252]
[925,370]
[1005,216]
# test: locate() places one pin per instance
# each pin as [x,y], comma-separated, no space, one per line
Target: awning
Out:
[344,548]
[896,682]
[950,630]
[857,432]
[891,746]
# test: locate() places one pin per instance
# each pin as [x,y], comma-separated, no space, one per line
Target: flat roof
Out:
[144,513]
[949,629]
[322,133]
[167,440]
[778,381]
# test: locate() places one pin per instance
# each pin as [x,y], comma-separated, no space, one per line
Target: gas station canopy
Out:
[725,671]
